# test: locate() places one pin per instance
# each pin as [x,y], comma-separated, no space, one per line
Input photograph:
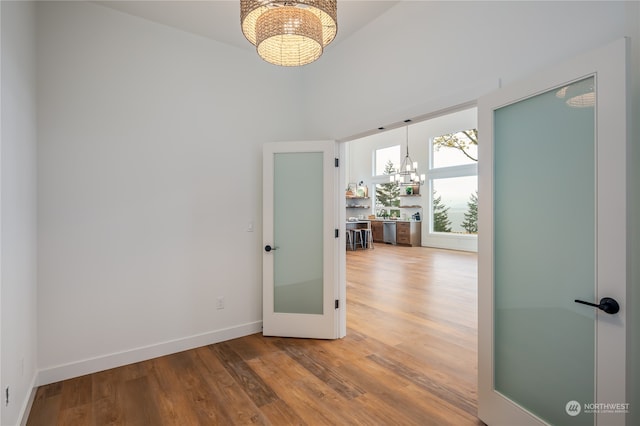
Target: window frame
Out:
[462,241]
[374,161]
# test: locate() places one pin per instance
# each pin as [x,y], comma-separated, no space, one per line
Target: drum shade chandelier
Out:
[581,94]
[289,33]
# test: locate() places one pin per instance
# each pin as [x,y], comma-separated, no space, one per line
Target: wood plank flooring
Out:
[409,358]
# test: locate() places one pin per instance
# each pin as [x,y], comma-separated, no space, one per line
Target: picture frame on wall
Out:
[351,189]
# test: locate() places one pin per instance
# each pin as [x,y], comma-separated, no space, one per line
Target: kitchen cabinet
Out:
[409,233]
[376,231]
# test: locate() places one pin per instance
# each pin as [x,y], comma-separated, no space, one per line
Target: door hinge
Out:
[337,233]
[337,162]
[337,304]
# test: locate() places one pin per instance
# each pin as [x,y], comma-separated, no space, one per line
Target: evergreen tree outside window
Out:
[450,201]
[441,222]
[387,194]
[383,157]
[470,223]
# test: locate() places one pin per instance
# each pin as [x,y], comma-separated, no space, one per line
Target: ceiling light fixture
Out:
[580,94]
[289,33]
[408,175]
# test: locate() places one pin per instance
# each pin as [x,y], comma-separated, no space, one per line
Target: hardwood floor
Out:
[409,358]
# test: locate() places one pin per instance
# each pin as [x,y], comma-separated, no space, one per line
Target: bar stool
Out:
[367,237]
[357,239]
[349,236]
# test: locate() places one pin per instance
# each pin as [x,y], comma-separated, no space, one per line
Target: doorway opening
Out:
[420,302]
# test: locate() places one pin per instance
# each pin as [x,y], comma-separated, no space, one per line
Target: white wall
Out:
[400,65]
[18,356]
[149,161]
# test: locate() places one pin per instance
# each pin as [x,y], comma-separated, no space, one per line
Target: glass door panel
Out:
[544,251]
[298,226]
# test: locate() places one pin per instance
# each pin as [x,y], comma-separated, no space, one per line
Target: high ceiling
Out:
[220,19]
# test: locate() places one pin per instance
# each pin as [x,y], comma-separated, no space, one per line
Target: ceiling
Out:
[220,19]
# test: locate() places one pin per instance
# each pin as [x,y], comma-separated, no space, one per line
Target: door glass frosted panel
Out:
[544,216]
[298,227]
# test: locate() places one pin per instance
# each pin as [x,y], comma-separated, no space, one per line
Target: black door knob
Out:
[607,305]
[268,248]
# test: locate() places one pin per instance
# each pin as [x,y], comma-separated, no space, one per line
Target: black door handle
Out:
[607,304]
[268,248]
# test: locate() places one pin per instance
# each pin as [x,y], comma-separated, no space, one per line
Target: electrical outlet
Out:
[220,302]
[250,227]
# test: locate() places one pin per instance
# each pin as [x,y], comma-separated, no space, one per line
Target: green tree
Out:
[470,223]
[460,140]
[441,222]
[388,194]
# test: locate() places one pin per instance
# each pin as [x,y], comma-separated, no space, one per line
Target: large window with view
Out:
[388,193]
[453,184]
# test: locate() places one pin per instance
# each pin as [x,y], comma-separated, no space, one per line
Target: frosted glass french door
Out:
[299,257]
[552,231]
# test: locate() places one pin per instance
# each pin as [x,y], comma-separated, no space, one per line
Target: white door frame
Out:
[609,66]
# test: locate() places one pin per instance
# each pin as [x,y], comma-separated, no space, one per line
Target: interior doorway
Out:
[421,301]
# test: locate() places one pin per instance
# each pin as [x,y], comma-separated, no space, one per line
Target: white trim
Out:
[25,410]
[612,264]
[341,256]
[1,197]
[118,359]
[461,170]
[449,241]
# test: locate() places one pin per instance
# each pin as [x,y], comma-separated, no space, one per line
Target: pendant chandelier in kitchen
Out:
[407,174]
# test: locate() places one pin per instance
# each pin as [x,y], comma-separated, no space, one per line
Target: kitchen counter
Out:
[406,232]
[393,220]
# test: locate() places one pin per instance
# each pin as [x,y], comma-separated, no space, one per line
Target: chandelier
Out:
[289,33]
[408,175]
[579,95]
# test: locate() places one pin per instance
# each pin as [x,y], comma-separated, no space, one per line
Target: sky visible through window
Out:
[384,155]
[455,192]
[444,156]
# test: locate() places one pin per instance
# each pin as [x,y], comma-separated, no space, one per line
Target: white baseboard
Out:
[452,242]
[93,365]
[26,406]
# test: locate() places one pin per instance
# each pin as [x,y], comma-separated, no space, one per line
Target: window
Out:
[455,149]
[386,159]
[388,199]
[455,205]
[453,180]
